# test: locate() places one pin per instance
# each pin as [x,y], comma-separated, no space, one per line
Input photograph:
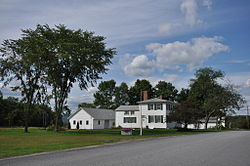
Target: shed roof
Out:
[97,113]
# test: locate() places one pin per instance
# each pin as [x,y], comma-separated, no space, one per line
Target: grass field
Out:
[14,142]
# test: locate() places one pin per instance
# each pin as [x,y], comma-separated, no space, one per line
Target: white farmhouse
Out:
[92,118]
[152,113]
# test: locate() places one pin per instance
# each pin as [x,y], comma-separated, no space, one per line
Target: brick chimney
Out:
[160,97]
[145,95]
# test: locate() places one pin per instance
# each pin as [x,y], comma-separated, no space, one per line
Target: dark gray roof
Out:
[154,100]
[128,108]
[97,113]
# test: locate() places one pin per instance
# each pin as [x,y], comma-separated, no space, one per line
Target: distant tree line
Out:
[240,121]
[11,113]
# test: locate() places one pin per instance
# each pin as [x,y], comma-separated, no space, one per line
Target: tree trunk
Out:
[26,127]
[185,126]
[206,122]
[56,110]
[26,119]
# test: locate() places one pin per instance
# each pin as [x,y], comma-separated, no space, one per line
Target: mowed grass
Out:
[14,142]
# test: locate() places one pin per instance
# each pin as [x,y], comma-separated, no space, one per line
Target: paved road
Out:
[213,149]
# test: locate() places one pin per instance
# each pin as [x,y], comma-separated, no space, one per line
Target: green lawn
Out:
[14,142]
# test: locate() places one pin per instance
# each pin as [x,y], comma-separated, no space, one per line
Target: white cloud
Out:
[174,56]
[139,66]
[189,9]
[192,53]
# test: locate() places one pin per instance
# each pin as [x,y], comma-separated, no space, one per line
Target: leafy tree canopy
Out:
[135,92]
[88,105]
[211,98]
[121,94]
[58,57]
[104,97]
[166,90]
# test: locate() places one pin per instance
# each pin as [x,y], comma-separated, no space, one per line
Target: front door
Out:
[106,124]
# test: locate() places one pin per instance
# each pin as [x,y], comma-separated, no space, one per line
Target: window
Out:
[74,122]
[158,119]
[151,119]
[129,120]
[158,106]
[126,113]
[150,106]
[155,119]
[87,122]
[80,122]
[132,112]
[99,122]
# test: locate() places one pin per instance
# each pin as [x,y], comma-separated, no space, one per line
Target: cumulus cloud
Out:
[192,53]
[139,66]
[189,8]
[175,55]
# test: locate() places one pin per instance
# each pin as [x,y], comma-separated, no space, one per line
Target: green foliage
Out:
[12,114]
[218,127]
[211,98]
[20,63]
[135,92]
[104,97]
[88,105]
[166,90]
[182,95]
[57,57]
[185,113]
[9,114]
[237,122]
[121,95]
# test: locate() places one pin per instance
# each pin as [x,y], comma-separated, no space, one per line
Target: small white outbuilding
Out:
[92,118]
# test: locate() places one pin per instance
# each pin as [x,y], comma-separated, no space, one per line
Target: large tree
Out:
[21,64]
[104,97]
[63,56]
[121,94]
[209,96]
[166,90]
[72,56]
[136,91]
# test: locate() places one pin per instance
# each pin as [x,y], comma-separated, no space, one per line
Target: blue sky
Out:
[155,39]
